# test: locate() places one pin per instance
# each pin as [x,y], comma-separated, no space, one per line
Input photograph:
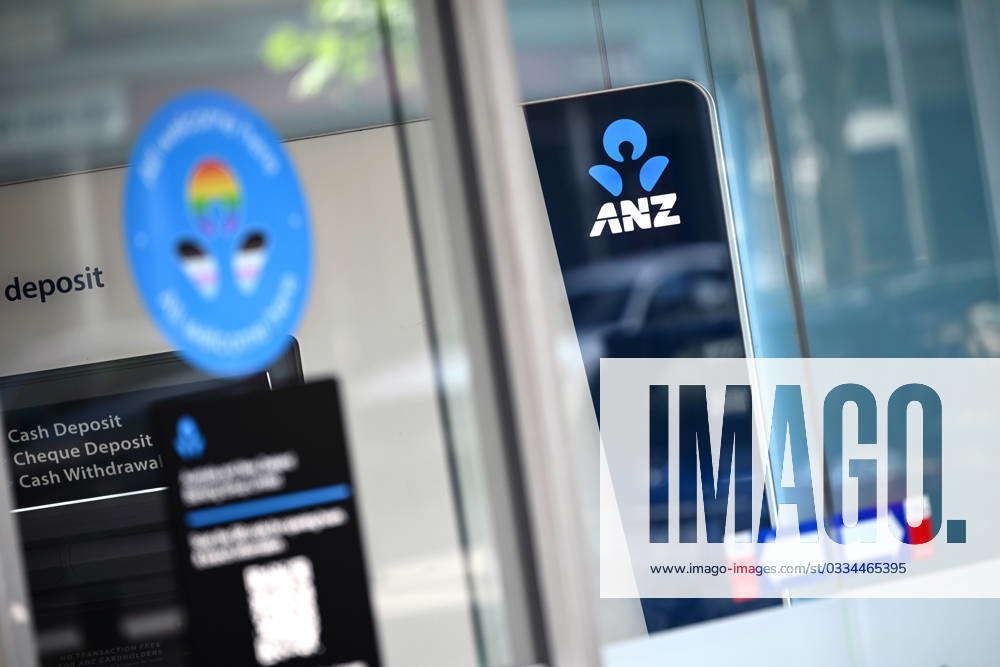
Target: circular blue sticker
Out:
[217,233]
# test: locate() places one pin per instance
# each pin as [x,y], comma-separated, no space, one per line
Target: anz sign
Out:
[627,215]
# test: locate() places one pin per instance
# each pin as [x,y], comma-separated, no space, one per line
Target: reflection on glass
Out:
[340,44]
[878,144]
[78,81]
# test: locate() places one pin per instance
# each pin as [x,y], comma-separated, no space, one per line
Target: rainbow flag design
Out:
[212,184]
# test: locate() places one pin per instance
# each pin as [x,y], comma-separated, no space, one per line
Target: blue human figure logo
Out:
[617,133]
[189,443]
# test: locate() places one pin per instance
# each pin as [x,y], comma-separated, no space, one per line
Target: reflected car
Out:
[679,302]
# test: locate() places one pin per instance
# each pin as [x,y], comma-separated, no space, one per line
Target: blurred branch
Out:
[340,42]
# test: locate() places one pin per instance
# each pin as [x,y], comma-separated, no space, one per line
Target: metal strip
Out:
[444,63]
[430,322]
[901,96]
[706,47]
[780,191]
[475,106]
[17,636]
[980,27]
[602,43]
[784,229]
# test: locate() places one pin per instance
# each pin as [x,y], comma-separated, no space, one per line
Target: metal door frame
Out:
[468,67]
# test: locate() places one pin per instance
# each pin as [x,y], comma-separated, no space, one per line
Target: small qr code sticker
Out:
[282,601]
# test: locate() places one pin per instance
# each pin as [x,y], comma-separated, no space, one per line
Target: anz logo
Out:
[645,212]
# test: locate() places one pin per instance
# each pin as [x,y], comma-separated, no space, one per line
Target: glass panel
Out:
[886,148]
[557,45]
[885,157]
[879,148]
[888,161]
[885,114]
[653,41]
[79,82]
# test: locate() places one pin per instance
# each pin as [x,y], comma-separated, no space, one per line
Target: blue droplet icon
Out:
[189,442]
[651,171]
[607,177]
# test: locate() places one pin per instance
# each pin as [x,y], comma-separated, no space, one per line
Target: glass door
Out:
[450,578]
[859,143]
[861,170]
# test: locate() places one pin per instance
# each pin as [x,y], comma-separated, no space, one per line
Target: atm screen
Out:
[88,496]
